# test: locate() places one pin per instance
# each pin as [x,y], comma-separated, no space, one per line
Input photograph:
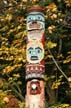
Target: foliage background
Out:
[13,35]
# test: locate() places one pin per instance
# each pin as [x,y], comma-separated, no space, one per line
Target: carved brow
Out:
[38,48]
[30,48]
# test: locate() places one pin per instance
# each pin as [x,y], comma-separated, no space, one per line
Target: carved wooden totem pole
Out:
[35,66]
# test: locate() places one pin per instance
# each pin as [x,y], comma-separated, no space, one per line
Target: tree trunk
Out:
[51,93]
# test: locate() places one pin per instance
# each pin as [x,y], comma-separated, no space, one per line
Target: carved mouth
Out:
[34,58]
[33,29]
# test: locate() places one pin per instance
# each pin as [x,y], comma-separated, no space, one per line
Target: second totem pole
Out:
[35,66]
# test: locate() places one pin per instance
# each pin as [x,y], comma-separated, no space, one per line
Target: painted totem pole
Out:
[35,66]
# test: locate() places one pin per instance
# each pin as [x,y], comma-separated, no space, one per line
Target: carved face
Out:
[35,52]
[35,35]
[35,21]
[35,87]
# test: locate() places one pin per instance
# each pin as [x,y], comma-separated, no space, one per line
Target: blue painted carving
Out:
[35,17]
[34,53]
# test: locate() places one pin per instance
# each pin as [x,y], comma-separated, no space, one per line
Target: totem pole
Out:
[35,66]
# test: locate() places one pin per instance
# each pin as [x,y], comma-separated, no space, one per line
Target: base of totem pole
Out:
[35,94]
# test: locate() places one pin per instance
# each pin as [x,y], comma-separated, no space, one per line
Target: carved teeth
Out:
[36,68]
[31,68]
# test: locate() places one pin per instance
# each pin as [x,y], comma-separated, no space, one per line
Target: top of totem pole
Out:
[35,9]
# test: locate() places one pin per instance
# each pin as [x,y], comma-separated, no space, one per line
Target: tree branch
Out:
[57,65]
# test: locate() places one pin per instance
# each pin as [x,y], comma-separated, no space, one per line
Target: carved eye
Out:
[39,17]
[30,18]
[38,51]
[30,52]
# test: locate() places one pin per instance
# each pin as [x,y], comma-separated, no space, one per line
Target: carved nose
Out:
[34,22]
